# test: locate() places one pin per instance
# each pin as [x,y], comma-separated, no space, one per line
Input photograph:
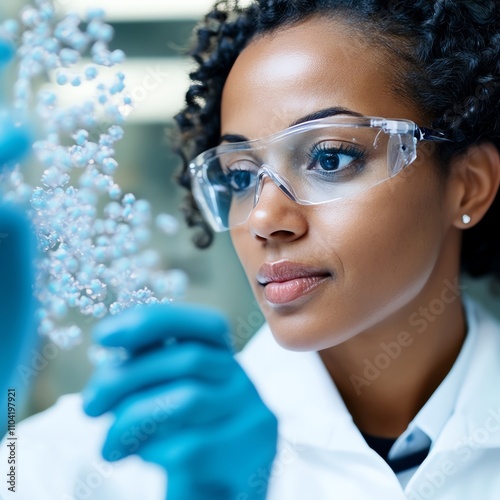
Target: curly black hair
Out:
[449,54]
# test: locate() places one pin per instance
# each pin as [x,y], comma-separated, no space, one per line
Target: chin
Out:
[302,341]
[296,337]
[294,344]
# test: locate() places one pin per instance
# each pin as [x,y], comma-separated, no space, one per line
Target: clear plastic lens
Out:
[312,163]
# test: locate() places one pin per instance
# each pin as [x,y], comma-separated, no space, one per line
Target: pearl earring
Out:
[466,218]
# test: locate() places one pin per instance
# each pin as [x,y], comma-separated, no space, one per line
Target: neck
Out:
[386,375]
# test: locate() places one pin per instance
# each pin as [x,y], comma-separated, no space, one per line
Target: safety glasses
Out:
[312,163]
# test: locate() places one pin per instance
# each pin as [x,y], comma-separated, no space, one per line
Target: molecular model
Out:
[93,239]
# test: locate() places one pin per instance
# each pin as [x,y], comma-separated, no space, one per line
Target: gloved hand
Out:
[16,272]
[186,405]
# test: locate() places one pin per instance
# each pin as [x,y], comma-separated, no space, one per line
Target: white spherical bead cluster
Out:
[93,238]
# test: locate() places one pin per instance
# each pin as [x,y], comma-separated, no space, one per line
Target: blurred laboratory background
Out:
[154,35]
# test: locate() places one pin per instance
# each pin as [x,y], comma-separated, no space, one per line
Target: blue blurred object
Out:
[182,401]
[14,139]
[17,249]
[6,51]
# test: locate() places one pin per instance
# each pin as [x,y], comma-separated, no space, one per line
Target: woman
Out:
[352,150]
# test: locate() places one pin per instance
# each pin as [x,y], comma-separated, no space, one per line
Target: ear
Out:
[477,172]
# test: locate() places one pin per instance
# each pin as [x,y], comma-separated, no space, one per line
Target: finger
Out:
[160,413]
[244,444]
[181,486]
[111,384]
[144,326]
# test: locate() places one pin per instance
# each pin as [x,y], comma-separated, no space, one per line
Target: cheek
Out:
[387,243]
[392,233]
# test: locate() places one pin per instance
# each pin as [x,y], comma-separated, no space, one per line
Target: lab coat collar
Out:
[298,389]
[475,422]
[436,412]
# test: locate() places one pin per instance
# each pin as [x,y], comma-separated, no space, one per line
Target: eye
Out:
[332,161]
[335,159]
[240,180]
[240,174]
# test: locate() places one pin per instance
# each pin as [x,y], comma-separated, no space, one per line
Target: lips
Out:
[286,281]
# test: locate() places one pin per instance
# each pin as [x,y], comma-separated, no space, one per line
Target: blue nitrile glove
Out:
[17,250]
[186,405]
[14,140]
[16,296]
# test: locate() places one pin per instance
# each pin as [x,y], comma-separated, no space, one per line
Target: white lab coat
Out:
[321,453]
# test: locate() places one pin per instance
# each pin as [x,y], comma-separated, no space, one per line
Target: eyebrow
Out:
[316,115]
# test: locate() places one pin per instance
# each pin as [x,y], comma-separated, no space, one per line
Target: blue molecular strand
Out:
[94,239]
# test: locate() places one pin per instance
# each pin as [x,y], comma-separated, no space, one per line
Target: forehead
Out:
[294,71]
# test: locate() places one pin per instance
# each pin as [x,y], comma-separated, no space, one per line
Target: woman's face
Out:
[373,254]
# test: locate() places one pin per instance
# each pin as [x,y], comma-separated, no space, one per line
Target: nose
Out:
[275,215]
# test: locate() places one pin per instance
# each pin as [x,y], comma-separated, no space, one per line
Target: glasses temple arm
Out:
[427,134]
